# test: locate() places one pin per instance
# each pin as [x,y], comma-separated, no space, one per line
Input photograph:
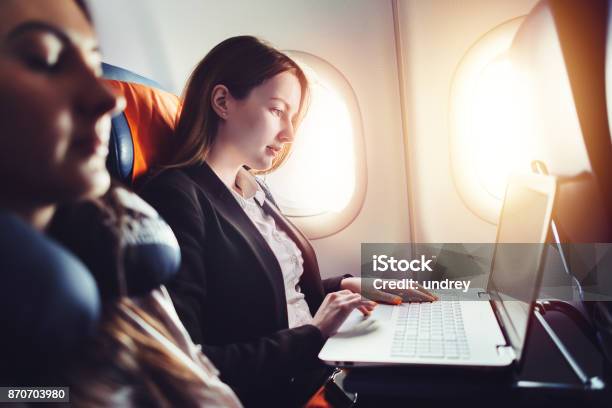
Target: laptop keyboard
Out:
[430,330]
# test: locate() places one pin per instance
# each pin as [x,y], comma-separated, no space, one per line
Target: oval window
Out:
[321,186]
[486,143]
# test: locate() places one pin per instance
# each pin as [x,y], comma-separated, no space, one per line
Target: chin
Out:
[261,164]
[100,184]
[95,185]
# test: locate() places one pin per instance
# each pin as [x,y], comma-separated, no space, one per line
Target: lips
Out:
[273,150]
[90,146]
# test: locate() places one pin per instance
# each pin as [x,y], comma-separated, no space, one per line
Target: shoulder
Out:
[171,184]
[132,202]
[177,178]
[176,196]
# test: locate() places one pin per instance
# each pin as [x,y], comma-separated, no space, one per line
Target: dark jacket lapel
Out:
[227,206]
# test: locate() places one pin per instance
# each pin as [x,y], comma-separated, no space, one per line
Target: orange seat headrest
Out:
[142,135]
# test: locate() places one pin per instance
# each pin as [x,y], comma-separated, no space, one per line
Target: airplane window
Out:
[487,142]
[322,183]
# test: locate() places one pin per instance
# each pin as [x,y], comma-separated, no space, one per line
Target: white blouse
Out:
[286,251]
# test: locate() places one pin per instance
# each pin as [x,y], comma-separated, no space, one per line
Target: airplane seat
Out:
[49,304]
[567,44]
[561,49]
[142,135]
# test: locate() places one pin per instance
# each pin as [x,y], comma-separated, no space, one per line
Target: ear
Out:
[219,100]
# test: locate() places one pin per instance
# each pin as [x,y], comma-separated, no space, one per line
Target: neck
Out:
[225,163]
[38,216]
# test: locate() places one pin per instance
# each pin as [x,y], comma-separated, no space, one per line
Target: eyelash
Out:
[41,64]
[38,64]
[277,112]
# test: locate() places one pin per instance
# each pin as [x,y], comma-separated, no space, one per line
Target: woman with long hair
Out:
[54,128]
[249,288]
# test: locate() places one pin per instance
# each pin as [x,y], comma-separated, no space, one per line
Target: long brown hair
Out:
[124,366]
[241,64]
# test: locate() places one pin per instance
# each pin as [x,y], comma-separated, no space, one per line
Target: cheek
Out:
[35,127]
[265,128]
[62,129]
[34,133]
[253,128]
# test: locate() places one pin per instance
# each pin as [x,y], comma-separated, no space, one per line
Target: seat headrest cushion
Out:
[151,115]
[122,240]
[49,302]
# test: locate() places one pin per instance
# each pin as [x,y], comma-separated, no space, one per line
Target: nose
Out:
[287,134]
[97,98]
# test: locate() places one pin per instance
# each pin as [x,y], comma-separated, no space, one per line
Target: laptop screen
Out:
[516,269]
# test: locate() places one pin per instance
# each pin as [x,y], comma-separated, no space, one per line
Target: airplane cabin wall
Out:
[435,35]
[165,39]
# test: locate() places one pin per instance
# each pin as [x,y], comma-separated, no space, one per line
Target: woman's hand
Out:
[335,309]
[365,286]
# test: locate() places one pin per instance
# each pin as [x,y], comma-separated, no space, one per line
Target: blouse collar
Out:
[250,188]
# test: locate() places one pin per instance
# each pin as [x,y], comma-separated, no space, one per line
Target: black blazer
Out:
[229,292]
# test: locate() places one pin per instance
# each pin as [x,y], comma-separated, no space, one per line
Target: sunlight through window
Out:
[489,111]
[319,175]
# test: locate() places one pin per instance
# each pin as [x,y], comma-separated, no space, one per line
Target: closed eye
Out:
[38,63]
[42,52]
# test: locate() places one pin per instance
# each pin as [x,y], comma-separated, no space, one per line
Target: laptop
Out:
[490,332]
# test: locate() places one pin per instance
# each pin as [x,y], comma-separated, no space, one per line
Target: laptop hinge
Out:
[506,351]
[484,295]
